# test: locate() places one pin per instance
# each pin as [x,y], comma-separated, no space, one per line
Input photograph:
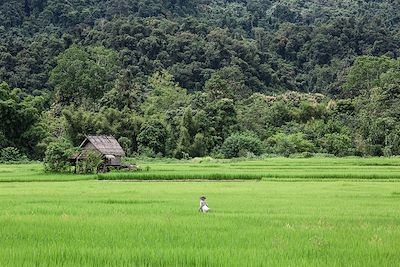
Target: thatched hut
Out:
[107,146]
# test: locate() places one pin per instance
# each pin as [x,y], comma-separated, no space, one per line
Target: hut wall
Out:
[89,146]
[116,161]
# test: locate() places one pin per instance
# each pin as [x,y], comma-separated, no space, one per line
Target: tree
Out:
[217,88]
[366,72]
[183,146]
[376,108]
[286,145]
[91,163]
[204,69]
[240,144]
[84,74]
[165,95]
[3,140]
[126,93]
[126,145]
[57,156]
[108,121]
[11,154]
[338,144]
[152,136]
[254,115]
[199,146]
[80,123]
[20,116]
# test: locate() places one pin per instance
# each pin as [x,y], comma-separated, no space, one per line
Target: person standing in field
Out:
[203,205]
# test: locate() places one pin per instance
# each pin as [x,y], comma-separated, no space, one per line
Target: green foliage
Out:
[166,95]
[297,167]
[205,70]
[80,123]
[20,119]
[199,148]
[285,145]
[126,145]
[240,144]
[152,136]
[376,108]
[83,75]
[3,140]
[217,88]
[90,163]
[266,45]
[366,73]
[183,147]
[314,214]
[338,144]
[126,93]
[57,156]
[11,154]
[392,143]
[108,121]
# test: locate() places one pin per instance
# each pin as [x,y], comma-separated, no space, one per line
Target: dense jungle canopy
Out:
[185,78]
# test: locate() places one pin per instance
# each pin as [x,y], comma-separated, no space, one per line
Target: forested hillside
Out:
[193,78]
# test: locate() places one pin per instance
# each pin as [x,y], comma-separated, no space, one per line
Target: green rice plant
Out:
[287,168]
[179,176]
[34,172]
[255,169]
[109,223]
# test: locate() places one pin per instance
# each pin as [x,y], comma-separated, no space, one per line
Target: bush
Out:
[57,156]
[146,152]
[199,147]
[241,144]
[202,159]
[286,145]
[12,154]
[338,144]
[3,140]
[304,155]
[323,155]
[126,144]
[91,163]
[152,136]
[374,150]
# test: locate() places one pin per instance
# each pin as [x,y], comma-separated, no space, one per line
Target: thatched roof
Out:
[106,145]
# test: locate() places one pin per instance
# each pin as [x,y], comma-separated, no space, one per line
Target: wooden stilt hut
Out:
[107,146]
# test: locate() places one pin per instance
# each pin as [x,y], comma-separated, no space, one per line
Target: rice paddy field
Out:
[73,220]
[271,168]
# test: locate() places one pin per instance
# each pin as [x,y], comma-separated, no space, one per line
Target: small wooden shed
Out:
[107,146]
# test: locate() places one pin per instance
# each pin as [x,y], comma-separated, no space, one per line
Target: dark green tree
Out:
[84,74]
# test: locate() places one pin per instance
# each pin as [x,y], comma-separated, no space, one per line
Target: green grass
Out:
[80,221]
[34,172]
[271,168]
[284,168]
[252,223]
